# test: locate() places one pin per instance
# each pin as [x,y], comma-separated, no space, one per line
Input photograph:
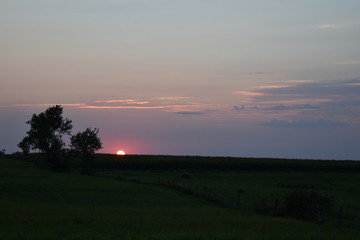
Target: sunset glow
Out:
[120,152]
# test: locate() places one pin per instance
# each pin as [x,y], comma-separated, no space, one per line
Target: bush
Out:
[307,205]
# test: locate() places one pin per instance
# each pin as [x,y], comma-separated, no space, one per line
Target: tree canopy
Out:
[87,142]
[46,132]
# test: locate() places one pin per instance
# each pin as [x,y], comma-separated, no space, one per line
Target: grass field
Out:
[38,204]
[251,184]
[260,190]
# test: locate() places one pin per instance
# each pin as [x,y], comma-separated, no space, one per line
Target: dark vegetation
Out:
[2,153]
[307,205]
[159,204]
[85,144]
[46,132]
[310,190]
[46,136]
[161,162]
[303,188]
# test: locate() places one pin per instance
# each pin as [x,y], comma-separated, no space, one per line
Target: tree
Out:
[46,132]
[24,145]
[2,152]
[85,144]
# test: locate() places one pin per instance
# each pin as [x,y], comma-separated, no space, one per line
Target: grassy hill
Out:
[38,204]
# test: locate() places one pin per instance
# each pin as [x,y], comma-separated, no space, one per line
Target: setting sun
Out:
[120,152]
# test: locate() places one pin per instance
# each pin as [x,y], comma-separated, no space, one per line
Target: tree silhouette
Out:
[25,145]
[2,152]
[46,132]
[85,144]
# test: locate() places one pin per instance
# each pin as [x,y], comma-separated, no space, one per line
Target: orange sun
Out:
[120,152]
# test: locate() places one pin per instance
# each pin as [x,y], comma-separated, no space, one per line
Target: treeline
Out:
[163,162]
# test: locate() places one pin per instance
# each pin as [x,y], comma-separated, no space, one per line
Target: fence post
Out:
[238,198]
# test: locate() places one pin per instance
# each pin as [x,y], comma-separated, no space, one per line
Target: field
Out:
[154,202]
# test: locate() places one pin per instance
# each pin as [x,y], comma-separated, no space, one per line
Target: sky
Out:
[249,78]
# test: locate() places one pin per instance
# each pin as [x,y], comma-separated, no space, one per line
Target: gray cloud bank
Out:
[302,105]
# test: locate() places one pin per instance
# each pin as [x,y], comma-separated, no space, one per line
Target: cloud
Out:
[306,106]
[167,107]
[348,63]
[304,124]
[42,105]
[260,73]
[328,90]
[248,93]
[237,108]
[337,25]
[300,81]
[190,113]
[293,107]
[274,86]
[127,101]
[169,104]
[123,107]
[279,107]
[337,102]
[329,26]
[171,98]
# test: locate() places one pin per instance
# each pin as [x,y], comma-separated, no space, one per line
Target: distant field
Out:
[38,204]
[250,184]
[162,162]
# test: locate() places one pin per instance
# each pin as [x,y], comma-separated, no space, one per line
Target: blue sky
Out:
[257,78]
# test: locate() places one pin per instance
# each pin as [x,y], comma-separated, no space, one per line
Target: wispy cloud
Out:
[190,113]
[42,105]
[172,98]
[274,86]
[169,107]
[304,124]
[124,107]
[279,107]
[321,89]
[127,101]
[292,107]
[300,81]
[348,63]
[260,73]
[333,101]
[337,25]
[171,104]
[329,26]
[239,108]
[248,93]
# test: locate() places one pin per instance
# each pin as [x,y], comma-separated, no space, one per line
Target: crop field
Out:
[249,184]
[154,203]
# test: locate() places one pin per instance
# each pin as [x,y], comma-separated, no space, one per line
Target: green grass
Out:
[260,181]
[260,190]
[38,204]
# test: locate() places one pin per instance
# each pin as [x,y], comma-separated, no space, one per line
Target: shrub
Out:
[307,205]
